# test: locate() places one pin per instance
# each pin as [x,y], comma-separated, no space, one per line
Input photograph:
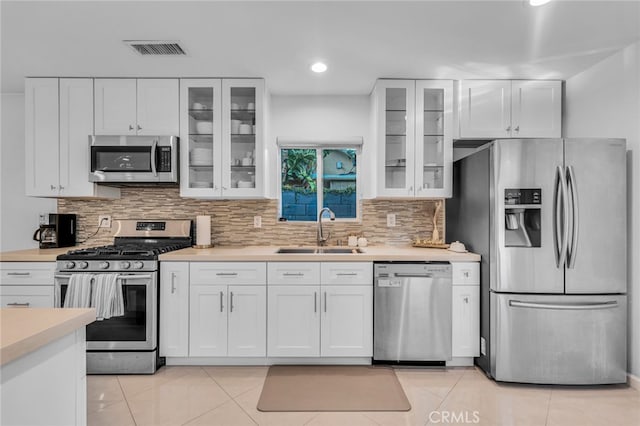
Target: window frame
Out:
[319,147]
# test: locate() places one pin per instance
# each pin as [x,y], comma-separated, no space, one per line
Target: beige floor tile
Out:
[237,380]
[249,400]
[616,405]
[177,401]
[341,419]
[477,398]
[109,414]
[103,388]
[228,414]
[422,403]
[436,381]
[134,384]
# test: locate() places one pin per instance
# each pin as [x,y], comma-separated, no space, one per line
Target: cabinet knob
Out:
[517,129]
[139,128]
[224,188]
[61,187]
[53,187]
[130,127]
[410,190]
[508,129]
[466,300]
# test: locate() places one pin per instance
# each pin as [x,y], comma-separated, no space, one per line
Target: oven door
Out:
[125,159]
[137,328]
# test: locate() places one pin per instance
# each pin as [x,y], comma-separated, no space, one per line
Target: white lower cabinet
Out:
[333,320]
[27,284]
[227,320]
[228,309]
[347,321]
[174,309]
[293,321]
[465,310]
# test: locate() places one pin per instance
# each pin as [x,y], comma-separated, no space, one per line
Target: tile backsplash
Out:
[232,220]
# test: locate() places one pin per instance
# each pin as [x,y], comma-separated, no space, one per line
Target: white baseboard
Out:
[633,381]
[212,361]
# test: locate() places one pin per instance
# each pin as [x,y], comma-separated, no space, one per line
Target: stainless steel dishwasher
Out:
[412,312]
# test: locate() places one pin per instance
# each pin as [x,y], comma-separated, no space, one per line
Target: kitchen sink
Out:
[318,250]
[339,250]
[285,250]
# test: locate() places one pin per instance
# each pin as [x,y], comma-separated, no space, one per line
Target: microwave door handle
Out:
[154,147]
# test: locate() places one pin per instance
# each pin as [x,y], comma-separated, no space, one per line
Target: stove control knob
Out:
[125,265]
[70,265]
[83,265]
[103,265]
[138,265]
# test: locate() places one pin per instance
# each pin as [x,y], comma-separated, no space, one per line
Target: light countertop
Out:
[23,330]
[268,254]
[34,255]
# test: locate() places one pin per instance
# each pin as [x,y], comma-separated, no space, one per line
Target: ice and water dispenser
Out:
[522,209]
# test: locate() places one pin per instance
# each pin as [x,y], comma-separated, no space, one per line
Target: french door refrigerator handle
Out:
[571,180]
[560,196]
[563,306]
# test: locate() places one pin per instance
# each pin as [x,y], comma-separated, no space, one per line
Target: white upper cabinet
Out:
[413,122]
[59,120]
[510,109]
[41,137]
[126,106]
[222,138]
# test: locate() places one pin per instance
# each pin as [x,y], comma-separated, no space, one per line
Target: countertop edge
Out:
[43,336]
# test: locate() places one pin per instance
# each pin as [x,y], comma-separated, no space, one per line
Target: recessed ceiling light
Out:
[319,67]
[538,2]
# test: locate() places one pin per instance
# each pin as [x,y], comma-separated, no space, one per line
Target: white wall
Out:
[322,118]
[18,213]
[604,101]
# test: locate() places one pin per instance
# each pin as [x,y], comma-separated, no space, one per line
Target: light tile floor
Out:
[227,396]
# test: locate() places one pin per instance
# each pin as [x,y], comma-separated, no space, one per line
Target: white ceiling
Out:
[359,40]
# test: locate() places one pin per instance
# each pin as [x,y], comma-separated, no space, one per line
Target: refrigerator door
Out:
[568,340]
[527,164]
[597,254]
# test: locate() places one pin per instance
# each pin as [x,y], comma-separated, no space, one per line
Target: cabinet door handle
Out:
[221,303]
[508,129]
[293,274]
[347,274]
[19,274]
[325,302]
[139,128]
[231,302]
[466,300]
[61,187]
[173,282]
[315,301]
[53,187]
[226,274]
[517,129]
[16,304]
[130,127]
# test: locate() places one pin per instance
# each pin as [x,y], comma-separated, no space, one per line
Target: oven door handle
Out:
[120,277]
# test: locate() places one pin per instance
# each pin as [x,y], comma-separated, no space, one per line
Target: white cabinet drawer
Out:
[466,273]
[293,273]
[217,273]
[346,273]
[33,273]
[27,296]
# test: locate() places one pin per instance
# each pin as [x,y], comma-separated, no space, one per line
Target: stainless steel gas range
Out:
[126,344]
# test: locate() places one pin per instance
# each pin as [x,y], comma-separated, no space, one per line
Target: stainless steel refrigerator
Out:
[549,217]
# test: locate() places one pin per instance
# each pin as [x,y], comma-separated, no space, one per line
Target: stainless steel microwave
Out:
[133,159]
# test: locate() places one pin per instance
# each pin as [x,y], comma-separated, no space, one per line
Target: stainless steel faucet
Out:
[321,238]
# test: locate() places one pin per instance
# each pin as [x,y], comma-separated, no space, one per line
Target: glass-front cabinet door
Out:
[434,144]
[201,137]
[242,128]
[395,103]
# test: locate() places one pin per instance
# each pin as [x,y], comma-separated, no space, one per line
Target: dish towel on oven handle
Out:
[107,296]
[79,291]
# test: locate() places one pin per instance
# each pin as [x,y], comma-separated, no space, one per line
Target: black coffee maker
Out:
[60,232]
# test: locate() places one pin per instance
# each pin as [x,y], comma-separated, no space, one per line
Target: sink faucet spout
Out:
[321,237]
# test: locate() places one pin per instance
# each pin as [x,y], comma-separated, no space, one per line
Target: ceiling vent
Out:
[156,47]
